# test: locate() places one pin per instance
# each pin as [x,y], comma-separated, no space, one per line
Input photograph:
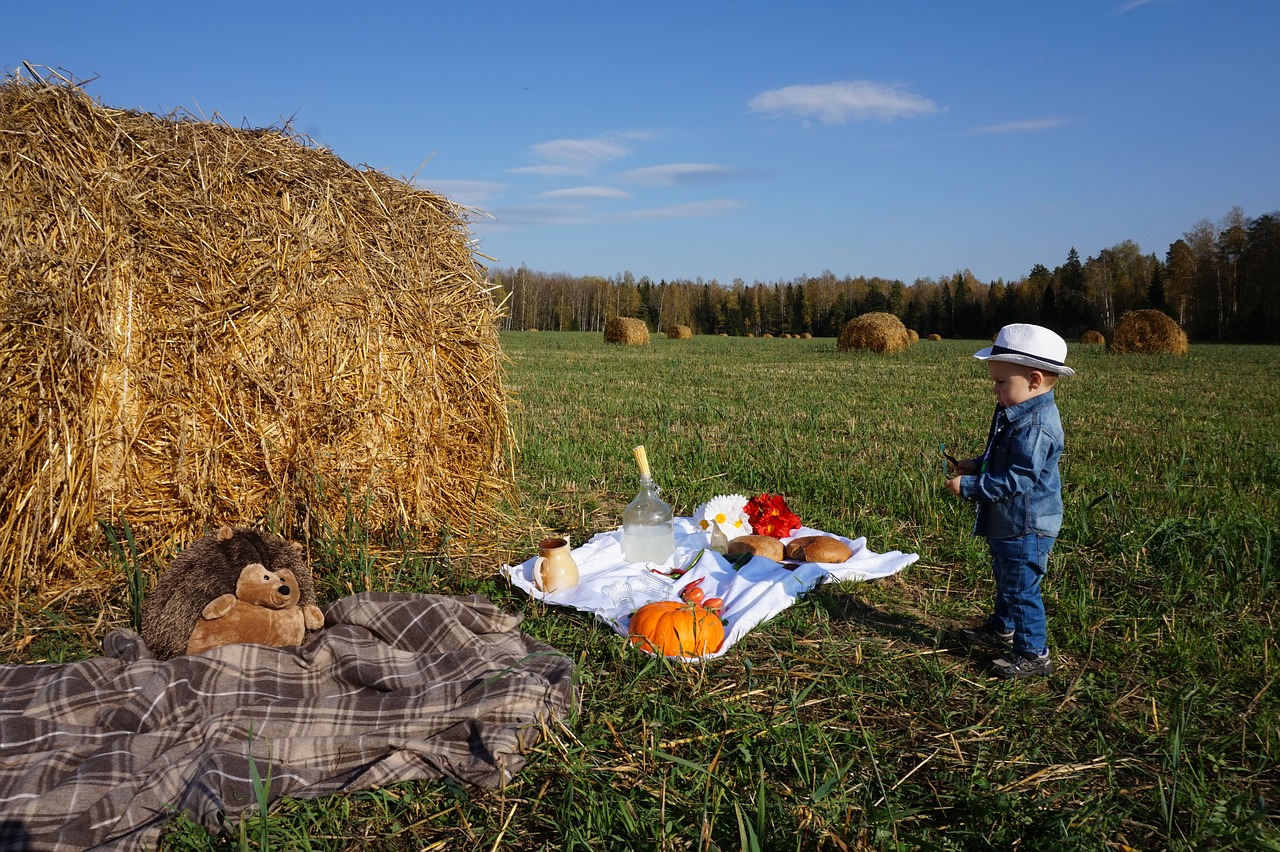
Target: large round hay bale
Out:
[1092,338]
[913,336]
[1148,331]
[202,325]
[679,332]
[627,330]
[876,331]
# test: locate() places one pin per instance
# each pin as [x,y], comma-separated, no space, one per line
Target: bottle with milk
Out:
[648,530]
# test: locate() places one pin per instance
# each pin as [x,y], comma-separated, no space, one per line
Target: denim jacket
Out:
[1019,490]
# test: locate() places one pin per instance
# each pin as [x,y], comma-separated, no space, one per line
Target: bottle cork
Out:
[642,459]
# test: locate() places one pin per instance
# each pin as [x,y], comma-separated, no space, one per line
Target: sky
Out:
[717,140]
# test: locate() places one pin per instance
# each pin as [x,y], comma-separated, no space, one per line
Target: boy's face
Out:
[1014,383]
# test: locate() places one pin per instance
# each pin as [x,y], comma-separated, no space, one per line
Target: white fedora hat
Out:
[1031,346]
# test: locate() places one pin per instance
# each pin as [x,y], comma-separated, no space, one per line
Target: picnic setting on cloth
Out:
[613,588]
[397,686]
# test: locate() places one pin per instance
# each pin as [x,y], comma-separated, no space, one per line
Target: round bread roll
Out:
[818,548]
[758,545]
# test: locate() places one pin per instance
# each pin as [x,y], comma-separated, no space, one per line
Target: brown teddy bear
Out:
[264,610]
[209,568]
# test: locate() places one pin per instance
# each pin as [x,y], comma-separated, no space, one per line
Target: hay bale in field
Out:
[626,330]
[806,336]
[766,336]
[935,337]
[876,331]
[1148,331]
[1092,338]
[201,325]
[679,332]
[913,336]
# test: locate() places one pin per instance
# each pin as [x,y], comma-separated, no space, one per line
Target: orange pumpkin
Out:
[676,629]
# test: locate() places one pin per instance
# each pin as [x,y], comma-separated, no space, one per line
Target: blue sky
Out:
[722,140]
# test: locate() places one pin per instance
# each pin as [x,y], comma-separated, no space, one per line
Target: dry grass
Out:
[626,330]
[876,331]
[1150,332]
[202,325]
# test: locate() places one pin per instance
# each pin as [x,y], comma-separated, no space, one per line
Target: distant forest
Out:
[1220,282]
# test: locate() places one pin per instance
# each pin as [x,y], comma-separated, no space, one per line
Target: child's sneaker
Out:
[1015,665]
[989,636]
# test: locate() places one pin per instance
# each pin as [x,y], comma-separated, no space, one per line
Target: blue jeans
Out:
[1018,566]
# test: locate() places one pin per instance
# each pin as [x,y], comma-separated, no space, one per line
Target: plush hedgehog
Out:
[209,568]
[264,610]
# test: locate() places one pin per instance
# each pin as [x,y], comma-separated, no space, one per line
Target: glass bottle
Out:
[648,529]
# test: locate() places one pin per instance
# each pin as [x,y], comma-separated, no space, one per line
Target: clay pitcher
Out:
[554,569]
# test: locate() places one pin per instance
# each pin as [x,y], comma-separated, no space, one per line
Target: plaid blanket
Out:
[396,687]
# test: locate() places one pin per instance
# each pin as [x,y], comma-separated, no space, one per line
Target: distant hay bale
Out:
[1148,331]
[626,330]
[201,325]
[1092,338]
[806,336]
[531,329]
[876,331]
[766,336]
[935,337]
[751,334]
[679,332]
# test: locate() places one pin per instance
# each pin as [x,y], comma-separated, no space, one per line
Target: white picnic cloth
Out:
[753,594]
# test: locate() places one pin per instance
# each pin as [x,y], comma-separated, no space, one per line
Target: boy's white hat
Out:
[1031,346]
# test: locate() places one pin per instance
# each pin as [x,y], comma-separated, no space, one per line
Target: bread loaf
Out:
[757,545]
[817,548]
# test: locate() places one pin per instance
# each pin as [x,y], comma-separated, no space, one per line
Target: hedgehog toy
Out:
[210,568]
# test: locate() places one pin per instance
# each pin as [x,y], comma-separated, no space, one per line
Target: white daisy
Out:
[728,511]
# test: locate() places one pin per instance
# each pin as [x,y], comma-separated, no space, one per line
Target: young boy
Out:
[1018,492]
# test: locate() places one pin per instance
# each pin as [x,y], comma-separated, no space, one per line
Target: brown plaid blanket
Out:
[101,752]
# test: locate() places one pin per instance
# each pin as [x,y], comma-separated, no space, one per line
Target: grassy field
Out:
[854,720]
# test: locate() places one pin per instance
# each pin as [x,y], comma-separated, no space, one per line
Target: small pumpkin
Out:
[676,629]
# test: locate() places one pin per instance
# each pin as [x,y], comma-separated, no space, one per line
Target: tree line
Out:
[1219,281]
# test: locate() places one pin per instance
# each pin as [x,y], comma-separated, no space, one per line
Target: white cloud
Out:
[587,192]
[683,174]
[468,193]
[575,156]
[710,207]
[1030,125]
[842,102]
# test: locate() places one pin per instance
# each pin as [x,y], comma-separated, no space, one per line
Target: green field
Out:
[854,720]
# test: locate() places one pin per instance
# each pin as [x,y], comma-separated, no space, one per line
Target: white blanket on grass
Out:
[753,594]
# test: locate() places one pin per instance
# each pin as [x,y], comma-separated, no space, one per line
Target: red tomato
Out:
[692,594]
[714,604]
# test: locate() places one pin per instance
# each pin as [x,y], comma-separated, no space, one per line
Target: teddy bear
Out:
[207,569]
[264,610]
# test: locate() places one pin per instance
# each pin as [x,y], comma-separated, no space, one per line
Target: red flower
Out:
[770,516]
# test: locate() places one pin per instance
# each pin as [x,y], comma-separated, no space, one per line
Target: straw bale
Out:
[766,336]
[1092,338]
[1148,331]
[913,336]
[935,337]
[876,331]
[201,325]
[806,336]
[626,330]
[679,332]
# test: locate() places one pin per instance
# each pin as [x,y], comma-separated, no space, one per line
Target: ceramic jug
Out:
[554,569]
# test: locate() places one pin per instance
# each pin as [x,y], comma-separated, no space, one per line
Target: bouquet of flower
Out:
[726,512]
[769,515]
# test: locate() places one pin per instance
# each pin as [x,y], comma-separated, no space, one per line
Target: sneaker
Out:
[988,636]
[1015,666]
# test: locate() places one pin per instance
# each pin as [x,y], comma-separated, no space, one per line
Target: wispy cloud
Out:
[586,192]
[683,174]
[538,214]
[1029,125]
[1130,5]
[468,193]
[578,156]
[842,102]
[692,209]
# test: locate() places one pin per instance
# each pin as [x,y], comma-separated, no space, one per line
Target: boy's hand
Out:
[953,485]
